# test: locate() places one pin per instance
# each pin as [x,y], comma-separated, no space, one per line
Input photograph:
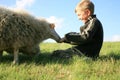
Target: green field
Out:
[45,67]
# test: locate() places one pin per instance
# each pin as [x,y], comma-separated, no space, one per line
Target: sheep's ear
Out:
[52,25]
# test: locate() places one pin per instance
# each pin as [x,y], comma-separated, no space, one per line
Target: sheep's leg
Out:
[38,52]
[1,53]
[16,57]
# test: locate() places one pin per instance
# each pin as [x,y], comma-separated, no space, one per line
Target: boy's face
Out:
[83,15]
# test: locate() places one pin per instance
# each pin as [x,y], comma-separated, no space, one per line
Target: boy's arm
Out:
[74,38]
[85,36]
[64,39]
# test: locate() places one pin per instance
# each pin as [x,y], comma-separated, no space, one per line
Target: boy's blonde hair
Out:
[86,4]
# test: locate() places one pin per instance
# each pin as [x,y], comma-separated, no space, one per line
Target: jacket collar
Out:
[91,17]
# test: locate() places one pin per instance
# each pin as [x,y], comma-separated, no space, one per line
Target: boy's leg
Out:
[68,53]
[63,53]
[77,52]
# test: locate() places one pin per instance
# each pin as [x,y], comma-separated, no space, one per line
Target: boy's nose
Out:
[78,14]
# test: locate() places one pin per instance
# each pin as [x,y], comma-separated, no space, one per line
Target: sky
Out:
[62,13]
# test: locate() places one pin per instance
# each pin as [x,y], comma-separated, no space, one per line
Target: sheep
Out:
[20,31]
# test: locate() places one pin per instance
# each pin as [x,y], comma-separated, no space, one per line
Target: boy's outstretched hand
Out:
[64,40]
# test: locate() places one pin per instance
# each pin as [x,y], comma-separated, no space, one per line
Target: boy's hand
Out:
[64,40]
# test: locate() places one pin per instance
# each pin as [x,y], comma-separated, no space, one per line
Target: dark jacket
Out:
[89,40]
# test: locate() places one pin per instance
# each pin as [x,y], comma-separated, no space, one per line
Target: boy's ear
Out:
[52,25]
[88,12]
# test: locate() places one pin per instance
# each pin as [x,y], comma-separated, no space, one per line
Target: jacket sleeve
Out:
[85,36]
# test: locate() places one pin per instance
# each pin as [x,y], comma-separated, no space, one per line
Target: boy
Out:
[89,41]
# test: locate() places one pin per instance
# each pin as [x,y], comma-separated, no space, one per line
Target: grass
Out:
[44,67]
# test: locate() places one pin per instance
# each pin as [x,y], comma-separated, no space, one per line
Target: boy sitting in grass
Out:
[89,40]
